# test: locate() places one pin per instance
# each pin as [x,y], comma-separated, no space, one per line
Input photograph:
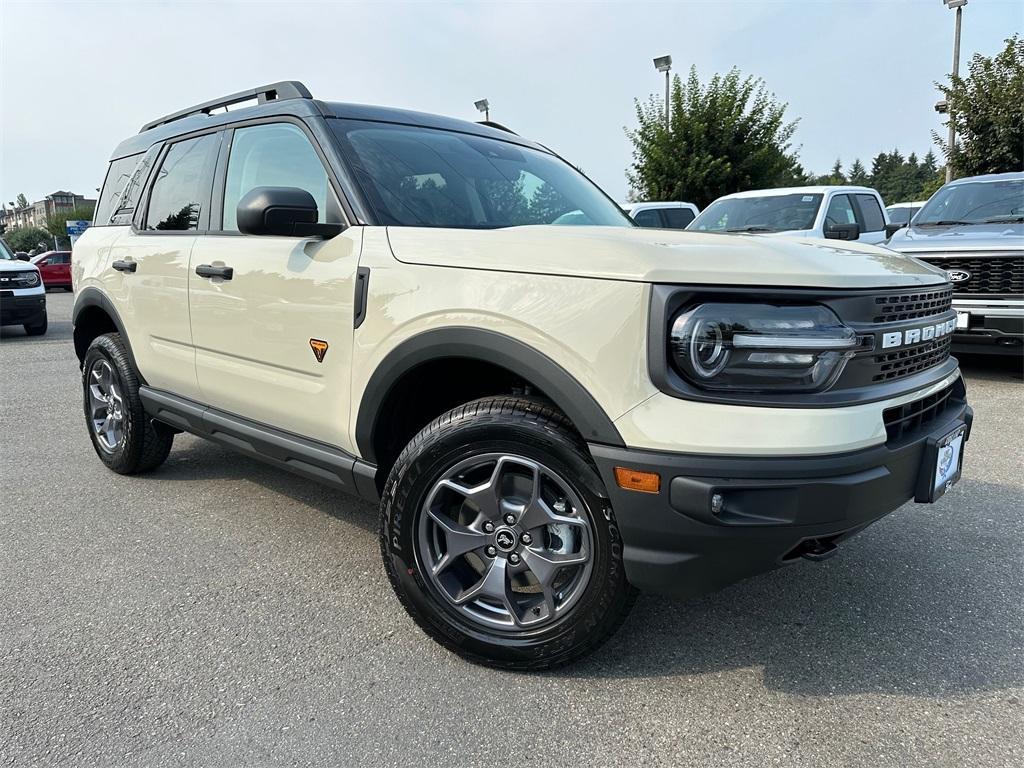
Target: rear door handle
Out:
[208,270]
[125,266]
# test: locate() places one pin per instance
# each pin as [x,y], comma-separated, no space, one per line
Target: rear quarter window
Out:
[119,173]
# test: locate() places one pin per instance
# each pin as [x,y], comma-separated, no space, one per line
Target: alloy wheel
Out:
[506,541]
[106,406]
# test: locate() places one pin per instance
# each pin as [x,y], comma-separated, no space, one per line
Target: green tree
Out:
[547,204]
[725,136]
[858,175]
[56,225]
[21,201]
[27,238]
[986,109]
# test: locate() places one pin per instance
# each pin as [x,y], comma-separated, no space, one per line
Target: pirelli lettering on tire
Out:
[917,335]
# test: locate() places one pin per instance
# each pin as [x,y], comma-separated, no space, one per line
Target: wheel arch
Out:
[486,348]
[93,315]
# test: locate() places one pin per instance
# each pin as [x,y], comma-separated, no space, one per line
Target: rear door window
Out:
[180,194]
[871,213]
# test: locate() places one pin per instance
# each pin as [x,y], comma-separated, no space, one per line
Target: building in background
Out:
[36,214]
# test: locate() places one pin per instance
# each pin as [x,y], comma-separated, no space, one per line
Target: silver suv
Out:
[549,416]
[973,228]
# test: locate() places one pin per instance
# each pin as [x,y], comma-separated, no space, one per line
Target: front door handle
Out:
[125,266]
[208,270]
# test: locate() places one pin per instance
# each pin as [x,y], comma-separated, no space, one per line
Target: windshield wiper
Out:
[1005,220]
[751,228]
[945,223]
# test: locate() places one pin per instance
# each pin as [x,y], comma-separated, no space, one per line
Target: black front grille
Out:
[988,274]
[909,360]
[903,420]
[911,306]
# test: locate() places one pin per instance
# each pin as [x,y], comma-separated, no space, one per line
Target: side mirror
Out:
[843,232]
[22,256]
[892,229]
[284,211]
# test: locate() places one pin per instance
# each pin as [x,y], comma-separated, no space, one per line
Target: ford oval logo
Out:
[958,275]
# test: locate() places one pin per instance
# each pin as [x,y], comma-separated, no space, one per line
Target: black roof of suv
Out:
[291,97]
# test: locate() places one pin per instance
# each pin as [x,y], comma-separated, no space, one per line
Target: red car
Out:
[55,267]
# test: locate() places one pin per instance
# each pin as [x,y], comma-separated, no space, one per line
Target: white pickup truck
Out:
[836,213]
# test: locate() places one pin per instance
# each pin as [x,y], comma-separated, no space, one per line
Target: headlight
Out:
[25,279]
[761,347]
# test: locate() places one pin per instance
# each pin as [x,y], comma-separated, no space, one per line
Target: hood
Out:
[662,256]
[8,265]
[981,237]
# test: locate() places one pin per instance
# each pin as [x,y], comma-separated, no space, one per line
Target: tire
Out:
[535,453]
[138,445]
[36,329]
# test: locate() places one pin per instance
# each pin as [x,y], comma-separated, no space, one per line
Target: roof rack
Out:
[286,89]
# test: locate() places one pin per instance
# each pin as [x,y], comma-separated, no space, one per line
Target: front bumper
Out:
[673,543]
[994,326]
[22,309]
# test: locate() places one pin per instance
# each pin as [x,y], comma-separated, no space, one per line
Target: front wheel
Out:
[499,539]
[38,328]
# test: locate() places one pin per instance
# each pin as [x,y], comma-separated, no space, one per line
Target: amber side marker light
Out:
[635,480]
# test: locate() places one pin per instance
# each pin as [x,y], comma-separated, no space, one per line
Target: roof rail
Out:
[499,126]
[286,89]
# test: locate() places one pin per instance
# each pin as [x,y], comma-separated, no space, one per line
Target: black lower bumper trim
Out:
[684,541]
[22,310]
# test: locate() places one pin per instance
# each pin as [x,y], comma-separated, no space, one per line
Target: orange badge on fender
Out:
[319,349]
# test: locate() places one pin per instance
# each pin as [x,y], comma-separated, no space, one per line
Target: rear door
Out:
[148,274]
[273,341]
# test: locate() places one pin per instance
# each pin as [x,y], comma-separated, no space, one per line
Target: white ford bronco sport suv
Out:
[549,416]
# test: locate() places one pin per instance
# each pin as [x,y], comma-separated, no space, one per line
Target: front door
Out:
[273,336]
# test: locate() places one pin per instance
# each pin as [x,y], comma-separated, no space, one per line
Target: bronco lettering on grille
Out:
[917,335]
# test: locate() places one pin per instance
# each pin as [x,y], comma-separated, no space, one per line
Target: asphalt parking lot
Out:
[217,612]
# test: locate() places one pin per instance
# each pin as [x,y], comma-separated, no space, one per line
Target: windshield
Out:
[974,202]
[774,213]
[422,177]
[5,252]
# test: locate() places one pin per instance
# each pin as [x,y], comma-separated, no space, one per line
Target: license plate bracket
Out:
[941,464]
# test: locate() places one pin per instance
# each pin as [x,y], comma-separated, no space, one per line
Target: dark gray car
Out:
[974,229]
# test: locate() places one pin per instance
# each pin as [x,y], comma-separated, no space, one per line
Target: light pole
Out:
[664,64]
[483,106]
[959,6]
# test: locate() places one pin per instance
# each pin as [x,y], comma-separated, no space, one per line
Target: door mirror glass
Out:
[842,231]
[283,211]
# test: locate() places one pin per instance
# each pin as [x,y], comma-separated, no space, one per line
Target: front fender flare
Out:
[490,347]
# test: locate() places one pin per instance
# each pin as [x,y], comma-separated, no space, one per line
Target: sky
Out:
[77,77]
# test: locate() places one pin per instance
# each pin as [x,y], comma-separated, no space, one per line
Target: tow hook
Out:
[817,550]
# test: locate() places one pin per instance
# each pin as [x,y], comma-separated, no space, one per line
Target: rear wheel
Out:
[499,539]
[125,439]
